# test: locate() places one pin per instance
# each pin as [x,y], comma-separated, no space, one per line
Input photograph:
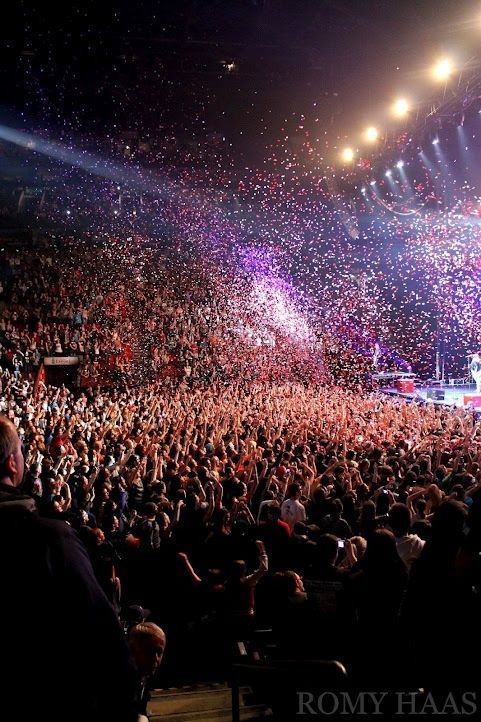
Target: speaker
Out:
[436,394]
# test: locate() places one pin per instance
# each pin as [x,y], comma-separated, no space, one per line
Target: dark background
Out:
[98,65]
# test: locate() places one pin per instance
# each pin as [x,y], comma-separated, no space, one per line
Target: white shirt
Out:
[292,511]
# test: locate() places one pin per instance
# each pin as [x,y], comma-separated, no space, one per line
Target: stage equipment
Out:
[392,375]
[435,394]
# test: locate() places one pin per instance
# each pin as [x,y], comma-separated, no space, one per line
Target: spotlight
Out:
[363,190]
[347,155]
[388,173]
[371,134]
[400,107]
[372,183]
[443,70]
[400,164]
[436,141]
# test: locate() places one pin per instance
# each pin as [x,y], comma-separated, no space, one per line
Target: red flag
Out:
[39,380]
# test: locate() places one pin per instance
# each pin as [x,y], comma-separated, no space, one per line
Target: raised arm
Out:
[263,567]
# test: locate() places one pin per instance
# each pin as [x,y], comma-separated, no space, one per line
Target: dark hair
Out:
[458,491]
[448,522]
[273,511]
[237,569]
[327,549]
[337,507]
[284,584]
[420,506]
[150,509]
[381,555]
[399,519]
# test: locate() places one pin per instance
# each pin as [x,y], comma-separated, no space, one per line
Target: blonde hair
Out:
[8,439]
[361,545]
[145,630]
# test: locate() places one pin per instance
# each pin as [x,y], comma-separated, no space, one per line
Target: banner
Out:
[61,360]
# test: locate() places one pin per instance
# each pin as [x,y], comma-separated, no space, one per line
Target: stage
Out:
[453,395]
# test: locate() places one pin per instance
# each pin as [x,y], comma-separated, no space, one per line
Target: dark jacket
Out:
[63,654]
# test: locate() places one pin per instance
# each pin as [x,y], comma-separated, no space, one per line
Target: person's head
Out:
[56,504]
[399,519]
[457,492]
[192,500]
[448,523]
[237,570]
[381,554]
[273,512]
[368,512]
[287,584]
[294,491]
[150,510]
[300,529]
[35,469]
[147,645]
[360,545]
[327,549]
[410,477]
[11,457]
[420,507]
[336,508]
[135,614]
[98,536]
[161,488]
[163,520]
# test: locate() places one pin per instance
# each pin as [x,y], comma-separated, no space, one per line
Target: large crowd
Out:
[224,496]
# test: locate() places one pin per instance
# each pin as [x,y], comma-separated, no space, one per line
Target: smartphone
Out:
[340,543]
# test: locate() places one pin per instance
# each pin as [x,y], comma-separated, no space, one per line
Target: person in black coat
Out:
[63,653]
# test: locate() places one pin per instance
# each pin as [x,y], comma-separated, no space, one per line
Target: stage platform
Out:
[453,395]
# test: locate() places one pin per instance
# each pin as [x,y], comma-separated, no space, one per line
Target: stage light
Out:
[347,155]
[400,107]
[372,183]
[363,190]
[400,164]
[388,173]
[443,70]
[436,141]
[371,134]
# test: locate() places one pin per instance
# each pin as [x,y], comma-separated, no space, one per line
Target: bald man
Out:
[147,646]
